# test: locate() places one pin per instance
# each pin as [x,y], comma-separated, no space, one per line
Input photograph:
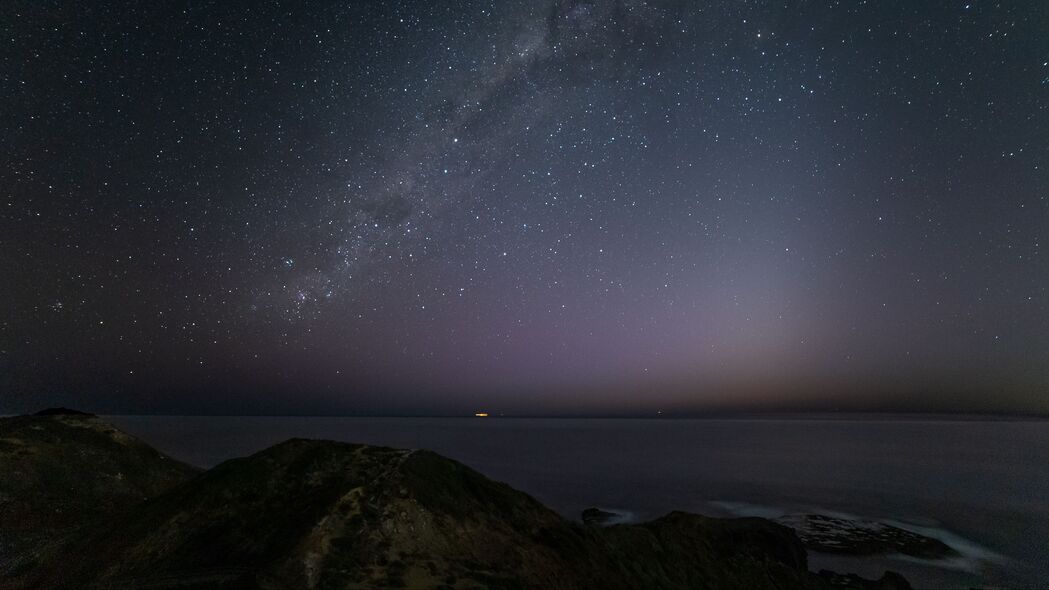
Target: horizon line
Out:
[718,415]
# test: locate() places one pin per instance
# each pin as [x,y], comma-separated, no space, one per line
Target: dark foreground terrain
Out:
[83,505]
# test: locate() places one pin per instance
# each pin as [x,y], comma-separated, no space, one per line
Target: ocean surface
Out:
[980,486]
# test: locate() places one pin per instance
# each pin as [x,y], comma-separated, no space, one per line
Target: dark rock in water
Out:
[61,412]
[597,517]
[318,514]
[862,537]
[888,581]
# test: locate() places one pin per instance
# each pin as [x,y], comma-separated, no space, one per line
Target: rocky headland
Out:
[84,505]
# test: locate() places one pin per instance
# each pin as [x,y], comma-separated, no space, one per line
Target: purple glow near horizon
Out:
[617,206]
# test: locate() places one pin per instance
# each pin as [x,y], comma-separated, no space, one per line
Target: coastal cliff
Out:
[321,514]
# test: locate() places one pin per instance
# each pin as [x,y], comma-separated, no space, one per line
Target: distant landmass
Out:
[84,505]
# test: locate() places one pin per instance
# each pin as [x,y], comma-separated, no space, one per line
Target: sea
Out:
[979,485]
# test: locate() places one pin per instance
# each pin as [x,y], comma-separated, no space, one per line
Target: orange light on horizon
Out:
[481,414]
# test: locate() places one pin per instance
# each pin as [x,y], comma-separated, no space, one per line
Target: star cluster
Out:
[558,206]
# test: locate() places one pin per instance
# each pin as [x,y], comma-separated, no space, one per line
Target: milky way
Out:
[530,207]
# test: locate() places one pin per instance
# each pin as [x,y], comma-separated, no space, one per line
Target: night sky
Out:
[524,206]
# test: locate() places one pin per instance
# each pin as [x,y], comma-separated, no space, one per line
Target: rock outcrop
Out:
[863,537]
[598,517]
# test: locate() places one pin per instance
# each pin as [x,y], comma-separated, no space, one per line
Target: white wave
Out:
[971,555]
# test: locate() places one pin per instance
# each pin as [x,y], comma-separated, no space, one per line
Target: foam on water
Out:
[971,555]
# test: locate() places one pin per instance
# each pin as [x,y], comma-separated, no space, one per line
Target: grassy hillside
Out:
[62,470]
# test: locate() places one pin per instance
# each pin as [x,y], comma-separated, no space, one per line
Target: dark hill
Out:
[61,471]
